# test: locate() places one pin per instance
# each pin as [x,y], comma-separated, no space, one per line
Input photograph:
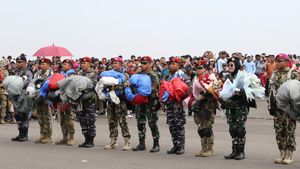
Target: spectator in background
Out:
[260,66]
[221,60]
[270,67]
[224,67]
[249,65]
[165,70]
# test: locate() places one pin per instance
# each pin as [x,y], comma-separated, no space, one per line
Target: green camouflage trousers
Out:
[236,118]
[144,112]
[45,119]
[67,122]
[205,128]
[116,114]
[3,104]
[285,131]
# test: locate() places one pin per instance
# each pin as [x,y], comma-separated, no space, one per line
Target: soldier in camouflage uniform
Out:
[67,116]
[174,110]
[87,117]
[22,117]
[284,126]
[236,114]
[204,111]
[44,116]
[116,113]
[148,111]
[3,97]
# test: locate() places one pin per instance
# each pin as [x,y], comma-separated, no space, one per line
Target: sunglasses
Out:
[144,63]
[279,60]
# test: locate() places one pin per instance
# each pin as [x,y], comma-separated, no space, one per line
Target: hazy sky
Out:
[150,27]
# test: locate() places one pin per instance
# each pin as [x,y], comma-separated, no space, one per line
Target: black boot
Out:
[155,147]
[173,150]
[18,137]
[140,147]
[240,152]
[85,141]
[180,151]
[88,143]
[233,154]
[23,135]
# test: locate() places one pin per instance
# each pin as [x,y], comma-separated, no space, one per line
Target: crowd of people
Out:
[197,83]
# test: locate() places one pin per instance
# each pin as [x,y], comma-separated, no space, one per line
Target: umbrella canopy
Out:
[53,51]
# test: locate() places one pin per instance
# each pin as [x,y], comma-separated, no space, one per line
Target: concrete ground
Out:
[261,148]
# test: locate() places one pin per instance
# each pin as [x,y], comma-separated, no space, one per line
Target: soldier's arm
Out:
[122,86]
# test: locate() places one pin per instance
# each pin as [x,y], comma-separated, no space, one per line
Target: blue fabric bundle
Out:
[142,82]
[115,74]
[44,89]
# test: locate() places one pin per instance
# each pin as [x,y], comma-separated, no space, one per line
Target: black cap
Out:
[22,57]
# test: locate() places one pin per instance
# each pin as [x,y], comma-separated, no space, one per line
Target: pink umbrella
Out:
[53,51]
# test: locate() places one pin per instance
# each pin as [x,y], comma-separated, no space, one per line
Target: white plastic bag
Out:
[227,91]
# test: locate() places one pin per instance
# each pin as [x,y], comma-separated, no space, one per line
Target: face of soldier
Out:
[85,66]
[173,67]
[21,64]
[231,67]
[281,64]
[201,71]
[66,66]
[116,65]
[145,66]
[44,66]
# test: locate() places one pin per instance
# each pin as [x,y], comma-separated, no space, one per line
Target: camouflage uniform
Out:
[44,116]
[3,105]
[22,118]
[176,116]
[284,126]
[149,111]
[116,114]
[67,118]
[3,98]
[236,114]
[87,117]
[204,117]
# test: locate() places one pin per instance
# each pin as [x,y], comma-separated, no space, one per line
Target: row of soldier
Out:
[207,103]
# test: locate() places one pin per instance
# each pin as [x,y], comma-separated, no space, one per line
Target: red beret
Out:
[146,59]
[282,56]
[71,62]
[45,60]
[86,59]
[202,62]
[174,59]
[129,65]
[117,59]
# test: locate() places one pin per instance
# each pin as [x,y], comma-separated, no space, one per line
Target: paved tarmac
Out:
[261,148]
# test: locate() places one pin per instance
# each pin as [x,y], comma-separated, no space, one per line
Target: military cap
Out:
[45,60]
[146,59]
[71,62]
[174,59]
[22,57]
[86,59]
[282,56]
[117,59]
